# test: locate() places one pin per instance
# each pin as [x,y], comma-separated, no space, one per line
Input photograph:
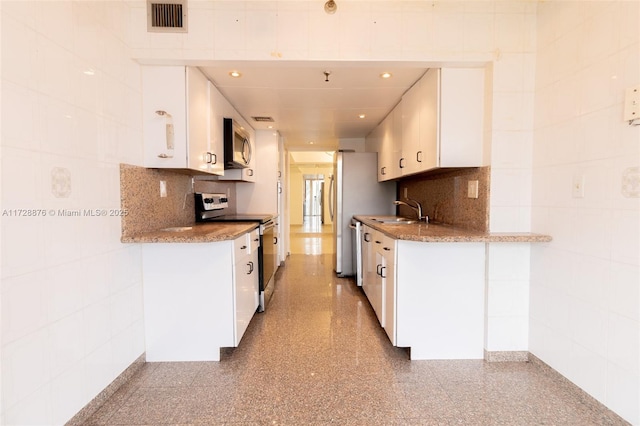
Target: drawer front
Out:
[241,247]
[254,240]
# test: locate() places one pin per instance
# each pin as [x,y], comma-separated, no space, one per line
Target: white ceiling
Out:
[305,107]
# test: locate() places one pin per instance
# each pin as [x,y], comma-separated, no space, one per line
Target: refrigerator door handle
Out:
[331,189]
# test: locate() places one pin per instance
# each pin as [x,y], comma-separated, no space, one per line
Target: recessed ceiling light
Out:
[385,75]
[362,116]
[235,74]
[89,71]
[310,142]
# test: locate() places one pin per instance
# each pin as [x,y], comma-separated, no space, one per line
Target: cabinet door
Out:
[164,121]
[373,143]
[197,119]
[440,305]
[216,134]
[389,287]
[396,142]
[368,260]
[375,295]
[245,285]
[429,93]
[461,117]
[411,149]
[389,153]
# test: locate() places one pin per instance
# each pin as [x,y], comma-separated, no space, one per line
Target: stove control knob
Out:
[208,200]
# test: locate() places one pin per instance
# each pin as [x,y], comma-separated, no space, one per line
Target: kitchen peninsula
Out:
[428,285]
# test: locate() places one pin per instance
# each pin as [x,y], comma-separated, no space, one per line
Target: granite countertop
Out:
[437,232]
[196,233]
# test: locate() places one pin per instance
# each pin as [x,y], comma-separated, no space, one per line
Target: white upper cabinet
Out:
[461,107]
[439,123]
[175,110]
[387,138]
[420,124]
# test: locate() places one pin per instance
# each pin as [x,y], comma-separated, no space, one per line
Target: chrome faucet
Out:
[417,208]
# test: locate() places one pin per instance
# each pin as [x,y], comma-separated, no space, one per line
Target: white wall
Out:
[585,284]
[71,292]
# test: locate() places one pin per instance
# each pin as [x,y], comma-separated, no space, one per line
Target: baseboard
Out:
[97,402]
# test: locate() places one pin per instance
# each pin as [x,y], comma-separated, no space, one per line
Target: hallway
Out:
[317,356]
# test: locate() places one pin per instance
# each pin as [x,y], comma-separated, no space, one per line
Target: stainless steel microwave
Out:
[237,146]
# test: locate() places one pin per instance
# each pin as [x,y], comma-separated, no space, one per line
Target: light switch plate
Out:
[163,188]
[632,104]
[472,189]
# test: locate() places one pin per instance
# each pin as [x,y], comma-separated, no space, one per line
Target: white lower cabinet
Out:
[440,299]
[198,297]
[428,296]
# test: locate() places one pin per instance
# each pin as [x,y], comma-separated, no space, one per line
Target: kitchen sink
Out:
[395,220]
[177,229]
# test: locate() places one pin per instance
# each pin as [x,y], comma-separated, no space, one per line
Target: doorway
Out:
[310,225]
[313,203]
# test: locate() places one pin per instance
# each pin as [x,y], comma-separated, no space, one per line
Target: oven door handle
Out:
[268,225]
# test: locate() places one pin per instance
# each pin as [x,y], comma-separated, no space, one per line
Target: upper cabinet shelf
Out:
[438,123]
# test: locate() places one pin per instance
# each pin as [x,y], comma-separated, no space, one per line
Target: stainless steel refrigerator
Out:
[355,190]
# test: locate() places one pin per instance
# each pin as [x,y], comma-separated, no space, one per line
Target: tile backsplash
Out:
[148,211]
[443,196]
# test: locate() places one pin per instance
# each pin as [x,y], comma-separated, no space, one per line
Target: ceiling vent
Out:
[167,16]
[263,119]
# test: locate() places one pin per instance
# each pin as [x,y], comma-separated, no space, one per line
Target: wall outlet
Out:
[163,188]
[472,189]
[577,186]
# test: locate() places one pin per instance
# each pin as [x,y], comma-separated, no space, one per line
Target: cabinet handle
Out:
[387,248]
[367,237]
[257,239]
[275,240]
[250,265]
[383,170]
[382,272]
[419,156]
[250,172]
[378,242]
[379,269]
[243,247]
[400,163]
[211,158]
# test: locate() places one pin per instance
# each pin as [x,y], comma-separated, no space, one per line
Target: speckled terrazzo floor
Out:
[317,356]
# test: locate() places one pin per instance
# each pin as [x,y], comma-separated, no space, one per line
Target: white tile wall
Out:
[547,56]
[584,285]
[70,292]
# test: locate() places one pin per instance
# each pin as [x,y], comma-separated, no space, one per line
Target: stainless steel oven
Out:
[268,247]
